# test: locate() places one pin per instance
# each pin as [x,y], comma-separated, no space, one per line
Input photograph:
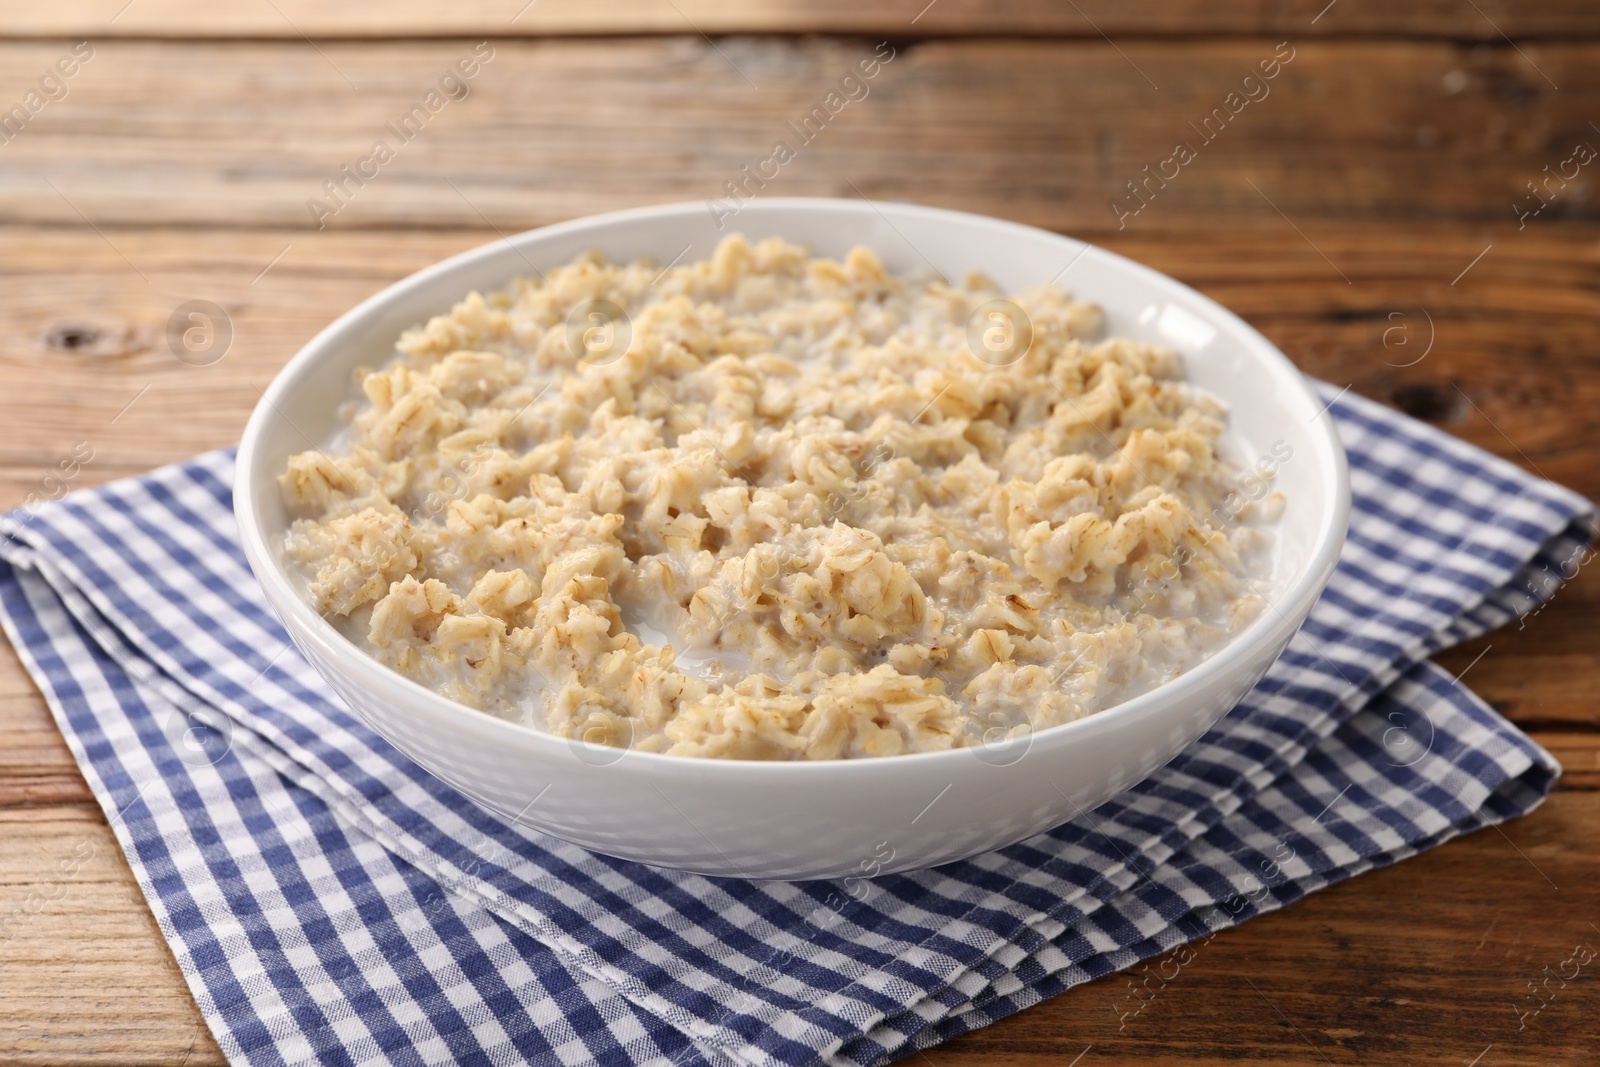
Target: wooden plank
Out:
[290,19]
[1515,335]
[1577,751]
[36,767]
[206,134]
[85,977]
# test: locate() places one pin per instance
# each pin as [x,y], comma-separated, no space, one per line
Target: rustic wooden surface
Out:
[361,19]
[1384,164]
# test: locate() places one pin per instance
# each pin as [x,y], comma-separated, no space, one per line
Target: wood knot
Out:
[82,337]
[1428,402]
[71,336]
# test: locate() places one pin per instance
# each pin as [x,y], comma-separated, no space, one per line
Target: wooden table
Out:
[1363,213]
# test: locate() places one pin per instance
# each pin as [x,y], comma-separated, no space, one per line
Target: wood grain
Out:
[1365,187]
[292,19]
[204,134]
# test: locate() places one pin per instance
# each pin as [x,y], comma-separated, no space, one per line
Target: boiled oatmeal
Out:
[765,506]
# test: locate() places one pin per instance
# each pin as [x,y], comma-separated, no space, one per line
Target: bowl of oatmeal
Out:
[715,543]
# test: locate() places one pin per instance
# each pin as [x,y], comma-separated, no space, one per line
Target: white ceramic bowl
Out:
[824,819]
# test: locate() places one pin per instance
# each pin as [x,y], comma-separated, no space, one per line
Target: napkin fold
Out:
[328,901]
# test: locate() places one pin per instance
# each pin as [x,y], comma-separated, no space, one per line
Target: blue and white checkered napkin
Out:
[328,901]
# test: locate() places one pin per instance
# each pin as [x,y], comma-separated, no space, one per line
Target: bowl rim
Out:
[1286,609]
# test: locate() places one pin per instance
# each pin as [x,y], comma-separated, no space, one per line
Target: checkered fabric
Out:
[330,902]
